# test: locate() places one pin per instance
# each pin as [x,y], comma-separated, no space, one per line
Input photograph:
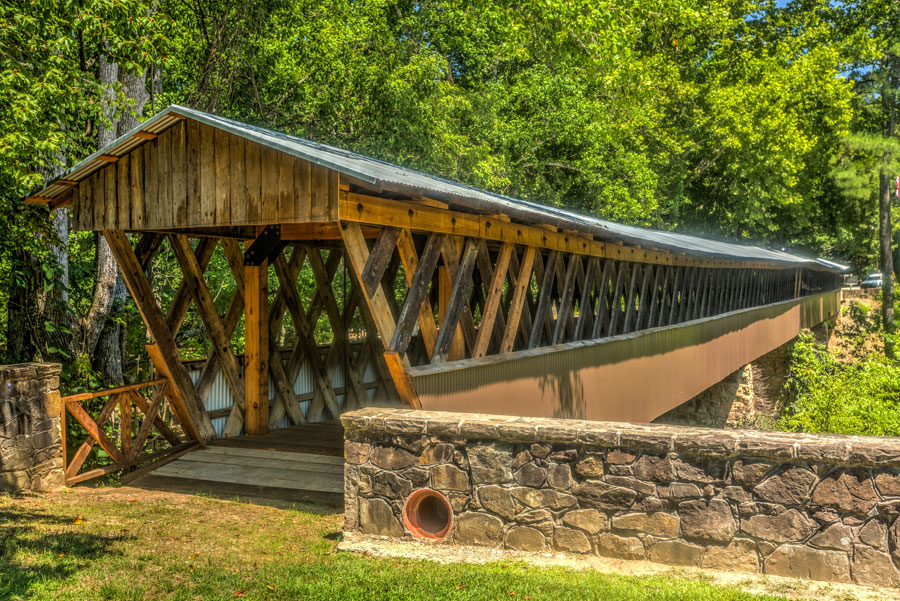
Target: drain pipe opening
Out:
[427,514]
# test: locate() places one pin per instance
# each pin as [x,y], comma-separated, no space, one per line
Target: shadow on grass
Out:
[38,548]
[308,502]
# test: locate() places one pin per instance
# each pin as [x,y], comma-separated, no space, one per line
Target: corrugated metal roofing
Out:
[375,171]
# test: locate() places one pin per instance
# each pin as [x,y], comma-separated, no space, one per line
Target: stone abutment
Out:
[810,506]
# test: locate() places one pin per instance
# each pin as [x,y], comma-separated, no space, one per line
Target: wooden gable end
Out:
[195,175]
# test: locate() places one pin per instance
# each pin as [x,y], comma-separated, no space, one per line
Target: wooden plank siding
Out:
[194,175]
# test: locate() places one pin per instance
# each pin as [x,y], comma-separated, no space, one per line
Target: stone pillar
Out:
[30,437]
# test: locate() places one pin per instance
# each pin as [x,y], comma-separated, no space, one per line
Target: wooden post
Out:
[62,433]
[125,424]
[256,349]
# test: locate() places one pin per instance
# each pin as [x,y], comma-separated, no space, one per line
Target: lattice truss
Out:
[466,298]
[309,297]
[382,300]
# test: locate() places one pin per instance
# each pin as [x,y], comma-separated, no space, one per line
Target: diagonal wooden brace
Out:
[184,398]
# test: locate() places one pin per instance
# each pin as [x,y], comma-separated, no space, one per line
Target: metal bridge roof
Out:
[374,171]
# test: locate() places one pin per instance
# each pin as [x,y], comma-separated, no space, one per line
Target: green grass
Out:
[127,545]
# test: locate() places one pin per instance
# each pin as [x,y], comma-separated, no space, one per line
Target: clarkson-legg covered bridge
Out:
[439,296]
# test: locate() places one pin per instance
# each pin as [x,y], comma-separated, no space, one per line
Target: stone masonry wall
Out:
[812,506]
[30,443]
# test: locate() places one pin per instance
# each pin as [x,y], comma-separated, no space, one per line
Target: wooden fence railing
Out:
[126,436]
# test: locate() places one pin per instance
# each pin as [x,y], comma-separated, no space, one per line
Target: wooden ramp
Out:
[296,464]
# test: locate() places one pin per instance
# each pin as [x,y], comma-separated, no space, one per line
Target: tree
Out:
[57,66]
[719,118]
[872,157]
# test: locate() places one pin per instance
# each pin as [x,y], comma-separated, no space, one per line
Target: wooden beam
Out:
[96,434]
[304,325]
[457,300]
[181,303]
[465,330]
[256,348]
[358,253]
[373,210]
[547,321]
[147,247]
[637,270]
[565,309]
[492,302]
[528,306]
[407,250]
[643,303]
[585,309]
[150,417]
[544,294]
[416,294]
[617,310]
[379,258]
[403,382]
[335,318]
[317,231]
[161,426]
[218,336]
[602,317]
[57,203]
[185,401]
[517,304]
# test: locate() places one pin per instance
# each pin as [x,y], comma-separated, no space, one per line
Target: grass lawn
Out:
[126,544]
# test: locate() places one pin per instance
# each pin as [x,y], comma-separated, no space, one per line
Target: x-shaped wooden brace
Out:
[95,435]
[220,337]
[305,347]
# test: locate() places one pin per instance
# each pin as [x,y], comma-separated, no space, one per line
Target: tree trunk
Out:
[109,362]
[135,89]
[887,262]
[885,232]
[109,350]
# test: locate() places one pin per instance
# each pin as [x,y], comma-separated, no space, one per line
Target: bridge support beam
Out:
[635,377]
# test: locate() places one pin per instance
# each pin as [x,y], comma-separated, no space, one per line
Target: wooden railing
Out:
[128,438]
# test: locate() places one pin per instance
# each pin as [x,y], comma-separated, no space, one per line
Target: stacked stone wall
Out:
[812,506]
[30,442]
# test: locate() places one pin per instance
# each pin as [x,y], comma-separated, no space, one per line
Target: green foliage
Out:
[719,118]
[840,398]
[863,322]
[714,117]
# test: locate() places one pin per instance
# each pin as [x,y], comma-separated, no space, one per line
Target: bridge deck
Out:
[297,464]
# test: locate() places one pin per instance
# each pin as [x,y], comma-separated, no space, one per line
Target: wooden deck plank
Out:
[263,462]
[278,455]
[266,495]
[325,438]
[300,463]
[257,476]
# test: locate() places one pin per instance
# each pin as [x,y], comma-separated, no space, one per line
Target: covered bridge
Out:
[439,295]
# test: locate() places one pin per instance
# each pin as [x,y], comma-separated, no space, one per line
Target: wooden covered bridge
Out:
[361,282]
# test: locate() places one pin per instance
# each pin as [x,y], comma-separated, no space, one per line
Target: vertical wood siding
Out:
[194,175]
